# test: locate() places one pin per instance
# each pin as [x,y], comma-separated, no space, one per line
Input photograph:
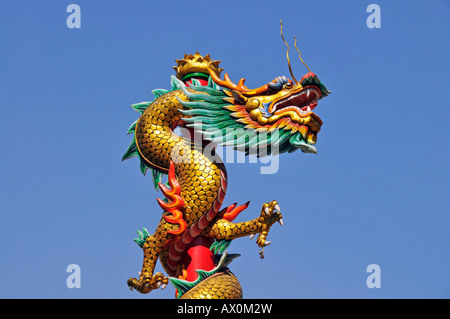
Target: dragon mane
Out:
[211,113]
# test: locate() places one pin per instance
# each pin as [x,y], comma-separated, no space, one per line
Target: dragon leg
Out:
[224,229]
[224,285]
[171,224]
[152,248]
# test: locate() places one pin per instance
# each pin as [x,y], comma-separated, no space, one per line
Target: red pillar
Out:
[198,255]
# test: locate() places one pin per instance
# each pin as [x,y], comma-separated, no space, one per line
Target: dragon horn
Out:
[227,83]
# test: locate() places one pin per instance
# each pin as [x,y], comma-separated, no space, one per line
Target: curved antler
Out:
[227,83]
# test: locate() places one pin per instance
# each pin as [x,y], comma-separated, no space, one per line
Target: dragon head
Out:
[276,117]
[279,113]
[280,104]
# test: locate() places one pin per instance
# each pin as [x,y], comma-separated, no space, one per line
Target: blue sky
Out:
[377,192]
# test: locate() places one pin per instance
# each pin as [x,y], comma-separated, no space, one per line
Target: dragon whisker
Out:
[287,53]
[300,54]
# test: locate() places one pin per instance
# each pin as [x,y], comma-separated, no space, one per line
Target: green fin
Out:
[157,178]
[176,83]
[132,151]
[219,246]
[143,166]
[132,128]
[140,107]
[142,237]
[159,92]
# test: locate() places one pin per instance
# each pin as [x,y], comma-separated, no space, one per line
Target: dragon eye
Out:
[287,85]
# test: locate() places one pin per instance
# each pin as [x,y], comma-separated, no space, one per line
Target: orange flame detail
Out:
[231,212]
[175,204]
[227,83]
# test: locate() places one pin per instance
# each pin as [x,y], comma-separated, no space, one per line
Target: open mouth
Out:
[302,102]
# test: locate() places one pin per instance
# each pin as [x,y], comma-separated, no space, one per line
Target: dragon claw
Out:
[270,213]
[145,284]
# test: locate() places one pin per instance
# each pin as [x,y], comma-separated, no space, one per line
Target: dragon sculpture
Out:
[193,233]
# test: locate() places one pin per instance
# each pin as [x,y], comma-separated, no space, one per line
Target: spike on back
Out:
[175,203]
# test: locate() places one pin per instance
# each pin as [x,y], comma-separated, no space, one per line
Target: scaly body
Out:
[197,180]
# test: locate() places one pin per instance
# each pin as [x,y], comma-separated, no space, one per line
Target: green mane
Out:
[132,150]
[209,113]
